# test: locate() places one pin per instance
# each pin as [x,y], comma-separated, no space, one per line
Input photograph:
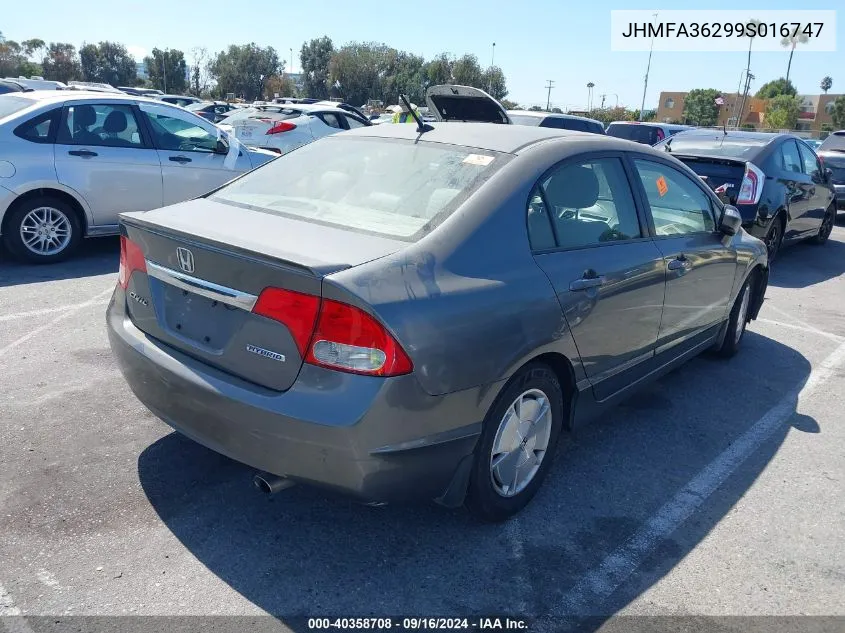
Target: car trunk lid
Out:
[464,103]
[199,274]
[723,175]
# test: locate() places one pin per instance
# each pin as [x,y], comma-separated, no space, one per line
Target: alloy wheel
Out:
[827,225]
[521,443]
[742,316]
[46,231]
[773,240]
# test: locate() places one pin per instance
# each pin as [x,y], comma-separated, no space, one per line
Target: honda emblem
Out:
[186,259]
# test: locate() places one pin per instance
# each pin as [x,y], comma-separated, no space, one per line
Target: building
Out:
[815,112]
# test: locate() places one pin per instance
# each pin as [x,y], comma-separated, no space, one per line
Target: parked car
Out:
[464,103]
[37,83]
[554,120]
[180,100]
[72,161]
[140,92]
[283,128]
[832,153]
[10,85]
[647,133]
[213,111]
[345,106]
[814,143]
[775,180]
[393,314]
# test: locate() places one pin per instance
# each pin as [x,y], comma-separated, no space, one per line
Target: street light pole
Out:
[291,60]
[492,58]
[647,70]
[549,98]
[164,68]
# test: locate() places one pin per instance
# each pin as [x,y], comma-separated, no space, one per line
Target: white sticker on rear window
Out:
[478,159]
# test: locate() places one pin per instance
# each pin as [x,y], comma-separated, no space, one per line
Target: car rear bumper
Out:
[377,439]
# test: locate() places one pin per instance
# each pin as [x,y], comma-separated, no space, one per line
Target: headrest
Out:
[84,115]
[573,187]
[115,122]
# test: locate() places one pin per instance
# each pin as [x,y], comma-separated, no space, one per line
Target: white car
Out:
[72,161]
[284,128]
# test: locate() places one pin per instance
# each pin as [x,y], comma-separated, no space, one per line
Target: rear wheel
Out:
[42,230]
[774,238]
[517,444]
[738,319]
[827,225]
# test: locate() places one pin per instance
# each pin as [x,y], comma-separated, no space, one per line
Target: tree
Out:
[403,73]
[467,72]
[838,113]
[782,112]
[700,107]
[438,70]
[507,104]
[826,84]
[33,46]
[609,115]
[535,108]
[243,69]
[776,87]
[11,58]
[494,82]
[281,85]
[107,62]
[61,63]
[200,81]
[359,68]
[167,70]
[791,42]
[314,58]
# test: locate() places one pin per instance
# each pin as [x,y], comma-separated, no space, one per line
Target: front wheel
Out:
[517,444]
[826,227]
[737,321]
[42,230]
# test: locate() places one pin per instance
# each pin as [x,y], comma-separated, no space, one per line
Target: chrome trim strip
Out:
[100,230]
[208,289]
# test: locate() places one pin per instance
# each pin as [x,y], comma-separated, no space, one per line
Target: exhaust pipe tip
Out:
[271,484]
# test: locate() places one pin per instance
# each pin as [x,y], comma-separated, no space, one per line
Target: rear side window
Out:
[100,124]
[790,159]
[331,119]
[632,132]
[40,129]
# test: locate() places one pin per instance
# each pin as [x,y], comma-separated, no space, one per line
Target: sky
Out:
[535,40]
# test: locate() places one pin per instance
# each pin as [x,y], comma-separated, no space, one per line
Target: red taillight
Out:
[281,126]
[296,310]
[751,188]
[131,259]
[345,337]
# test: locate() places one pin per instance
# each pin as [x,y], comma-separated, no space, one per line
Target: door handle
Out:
[85,153]
[586,282]
[180,159]
[680,264]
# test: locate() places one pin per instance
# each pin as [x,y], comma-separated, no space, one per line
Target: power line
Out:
[549,98]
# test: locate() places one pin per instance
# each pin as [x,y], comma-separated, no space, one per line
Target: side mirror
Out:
[731,221]
[828,174]
[222,147]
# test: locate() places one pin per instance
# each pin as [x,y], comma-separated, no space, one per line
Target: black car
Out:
[214,111]
[645,133]
[7,85]
[832,154]
[559,121]
[780,187]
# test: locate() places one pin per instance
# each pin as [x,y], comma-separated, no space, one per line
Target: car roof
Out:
[738,135]
[556,115]
[654,124]
[494,137]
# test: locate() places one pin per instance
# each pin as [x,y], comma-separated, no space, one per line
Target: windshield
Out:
[716,145]
[10,104]
[633,132]
[833,143]
[388,187]
[525,119]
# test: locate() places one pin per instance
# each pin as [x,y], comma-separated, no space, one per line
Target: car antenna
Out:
[421,127]
[725,128]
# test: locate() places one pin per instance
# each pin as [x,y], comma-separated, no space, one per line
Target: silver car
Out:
[72,161]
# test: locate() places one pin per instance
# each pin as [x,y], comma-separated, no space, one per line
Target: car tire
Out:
[774,238]
[60,223]
[827,226]
[738,319]
[502,483]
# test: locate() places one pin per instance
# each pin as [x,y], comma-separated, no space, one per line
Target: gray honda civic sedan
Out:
[396,312]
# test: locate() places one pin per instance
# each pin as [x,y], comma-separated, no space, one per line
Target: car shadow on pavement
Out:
[807,264]
[302,553]
[95,257]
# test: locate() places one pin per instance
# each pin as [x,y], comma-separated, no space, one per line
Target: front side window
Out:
[589,203]
[678,205]
[809,162]
[790,158]
[100,124]
[354,122]
[177,131]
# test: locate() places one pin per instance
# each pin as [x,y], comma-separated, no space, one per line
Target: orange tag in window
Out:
[662,187]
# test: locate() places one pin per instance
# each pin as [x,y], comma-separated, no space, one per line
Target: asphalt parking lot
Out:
[717,491]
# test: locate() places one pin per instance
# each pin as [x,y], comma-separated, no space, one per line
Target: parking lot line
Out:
[619,565]
[803,328]
[49,324]
[45,311]
[806,326]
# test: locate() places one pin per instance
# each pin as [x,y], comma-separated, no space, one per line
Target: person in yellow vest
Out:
[403,115]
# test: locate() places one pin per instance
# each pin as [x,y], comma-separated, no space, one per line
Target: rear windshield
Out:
[197,106]
[835,142]
[390,187]
[524,119]
[10,104]
[716,145]
[631,132]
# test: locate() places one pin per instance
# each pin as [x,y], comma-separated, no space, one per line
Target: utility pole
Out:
[748,78]
[549,98]
[492,57]
[164,68]
[602,101]
[648,68]
[291,61]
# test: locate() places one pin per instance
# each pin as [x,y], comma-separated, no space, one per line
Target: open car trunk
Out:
[236,288]
[723,175]
[464,103]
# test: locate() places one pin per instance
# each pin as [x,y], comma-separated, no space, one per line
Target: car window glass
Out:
[790,158]
[101,124]
[678,205]
[809,161]
[178,131]
[331,119]
[353,122]
[591,203]
[540,234]
[633,132]
[37,129]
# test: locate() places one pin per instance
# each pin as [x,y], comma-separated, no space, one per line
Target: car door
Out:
[590,240]
[102,153]
[821,193]
[326,123]
[800,190]
[191,163]
[699,262]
